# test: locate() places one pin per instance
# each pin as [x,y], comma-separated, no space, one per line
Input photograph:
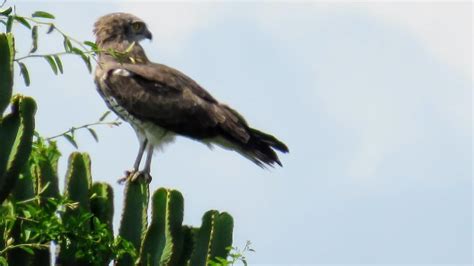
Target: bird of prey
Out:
[161,102]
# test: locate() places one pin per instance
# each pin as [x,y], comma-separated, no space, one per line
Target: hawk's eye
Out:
[137,26]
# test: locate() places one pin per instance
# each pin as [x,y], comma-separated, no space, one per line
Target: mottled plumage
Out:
[161,102]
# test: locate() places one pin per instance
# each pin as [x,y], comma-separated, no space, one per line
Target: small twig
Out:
[41,246]
[72,129]
[54,54]
[26,219]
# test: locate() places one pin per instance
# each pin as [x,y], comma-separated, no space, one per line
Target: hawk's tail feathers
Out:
[261,148]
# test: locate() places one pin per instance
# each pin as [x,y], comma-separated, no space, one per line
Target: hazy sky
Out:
[373,99]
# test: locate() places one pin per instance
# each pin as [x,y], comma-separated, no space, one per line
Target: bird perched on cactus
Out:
[160,102]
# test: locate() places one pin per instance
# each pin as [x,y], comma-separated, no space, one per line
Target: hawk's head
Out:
[120,27]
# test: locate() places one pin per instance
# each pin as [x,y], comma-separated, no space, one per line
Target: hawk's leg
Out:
[136,165]
[145,173]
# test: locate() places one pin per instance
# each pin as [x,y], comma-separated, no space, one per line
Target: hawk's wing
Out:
[173,101]
[168,98]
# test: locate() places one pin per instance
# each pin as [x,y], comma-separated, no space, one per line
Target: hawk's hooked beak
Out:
[148,35]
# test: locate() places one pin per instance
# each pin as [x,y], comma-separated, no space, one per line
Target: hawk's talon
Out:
[134,176]
[128,174]
[140,175]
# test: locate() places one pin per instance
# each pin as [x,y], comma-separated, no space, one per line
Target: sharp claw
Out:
[128,174]
[134,176]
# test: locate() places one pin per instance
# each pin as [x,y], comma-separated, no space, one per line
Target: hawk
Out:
[160,102]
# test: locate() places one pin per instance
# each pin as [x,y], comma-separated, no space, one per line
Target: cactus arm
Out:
[199,256]
[7,55]
[78,180]
[189,239]
[77,189]
[213,238]
[24,108]
[102,204]
[134,216]
[163,239]
[222,236]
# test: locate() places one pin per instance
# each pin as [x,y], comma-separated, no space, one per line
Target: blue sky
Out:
[373,99]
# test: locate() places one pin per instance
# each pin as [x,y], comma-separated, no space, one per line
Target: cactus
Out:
[77,189]
[78,179]
[16,133]
[7,55]
[102,203]
[213,238]
[134,216]
[163,239]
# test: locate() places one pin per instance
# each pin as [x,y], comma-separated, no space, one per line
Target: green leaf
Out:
[67,44]
[24,73]
[71,140]
[27,249]
[42,14]
[50,29]
[58,63]
[102,118]
[91,45]
[94,135]
[87,61]
[52,64]
[22,21]
[27,232]
[9,24]
[3,261]
[34,37]
[6,12]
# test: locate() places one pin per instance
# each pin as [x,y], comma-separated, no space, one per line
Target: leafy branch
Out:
[69,134]
[39,19]
[26,247]
[236,255]
[86,50]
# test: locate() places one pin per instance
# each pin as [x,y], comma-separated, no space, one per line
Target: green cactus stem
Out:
[134,217]
[77,189]
[189,239]
[7,54]
[16,137]
[102,203]
[213,238]
[163,241]
[78,180]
